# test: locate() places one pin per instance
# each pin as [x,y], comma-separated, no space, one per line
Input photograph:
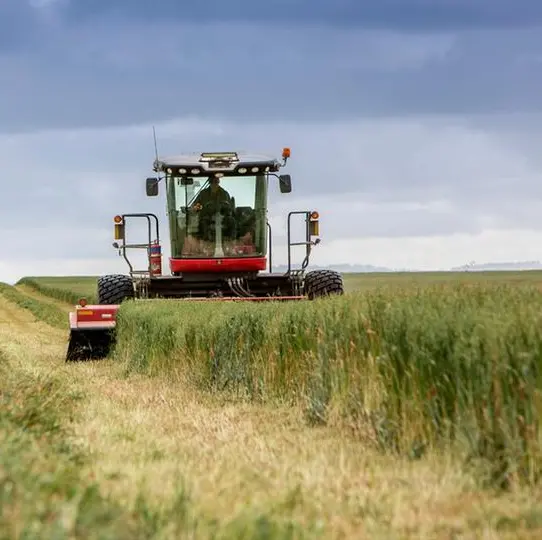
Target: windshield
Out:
[218,217]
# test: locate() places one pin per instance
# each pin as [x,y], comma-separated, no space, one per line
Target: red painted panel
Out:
[96,313]
[241,264]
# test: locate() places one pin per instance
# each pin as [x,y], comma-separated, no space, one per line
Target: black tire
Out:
[114,289]
[320,283]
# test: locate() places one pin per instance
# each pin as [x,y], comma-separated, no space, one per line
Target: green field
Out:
[427,368]
[71,288]
[408,359]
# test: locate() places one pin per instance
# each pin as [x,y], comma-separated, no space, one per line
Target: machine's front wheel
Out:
[320,283]
[115,288]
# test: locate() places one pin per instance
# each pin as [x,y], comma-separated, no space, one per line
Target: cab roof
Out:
[226,162]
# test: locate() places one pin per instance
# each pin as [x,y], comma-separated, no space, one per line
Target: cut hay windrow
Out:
[65,289]
[41,310]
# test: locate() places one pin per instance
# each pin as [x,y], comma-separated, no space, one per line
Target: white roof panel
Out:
[193,159]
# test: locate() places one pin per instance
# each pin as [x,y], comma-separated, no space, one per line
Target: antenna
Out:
[155,143]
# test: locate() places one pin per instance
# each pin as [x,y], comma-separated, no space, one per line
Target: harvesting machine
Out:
[220,241]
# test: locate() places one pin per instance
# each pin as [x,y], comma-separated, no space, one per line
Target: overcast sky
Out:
[415,125]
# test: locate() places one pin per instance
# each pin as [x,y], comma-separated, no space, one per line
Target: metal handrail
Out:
[306,243]
[125,246]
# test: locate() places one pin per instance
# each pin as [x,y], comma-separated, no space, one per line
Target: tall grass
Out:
[443,365]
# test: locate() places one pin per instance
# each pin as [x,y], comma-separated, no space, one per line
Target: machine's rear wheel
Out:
[114,289]
[320,283]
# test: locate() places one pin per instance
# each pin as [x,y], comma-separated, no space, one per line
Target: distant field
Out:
[70,288]
[405,279]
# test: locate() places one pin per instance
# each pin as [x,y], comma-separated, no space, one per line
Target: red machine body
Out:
[89,317]
[247,264]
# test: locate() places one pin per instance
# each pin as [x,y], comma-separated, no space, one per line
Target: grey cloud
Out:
[46,243]
[14,16]
[419,15]
[230,73]
[375,178]
[355,219]
[409,14]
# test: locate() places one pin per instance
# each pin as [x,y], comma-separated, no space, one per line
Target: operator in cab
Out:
[213,193]
[210,201]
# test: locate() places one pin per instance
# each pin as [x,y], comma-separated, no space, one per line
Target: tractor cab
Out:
[217,208]
[217,217]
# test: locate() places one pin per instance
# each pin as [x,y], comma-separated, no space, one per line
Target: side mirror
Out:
[285,183]
[152,187]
